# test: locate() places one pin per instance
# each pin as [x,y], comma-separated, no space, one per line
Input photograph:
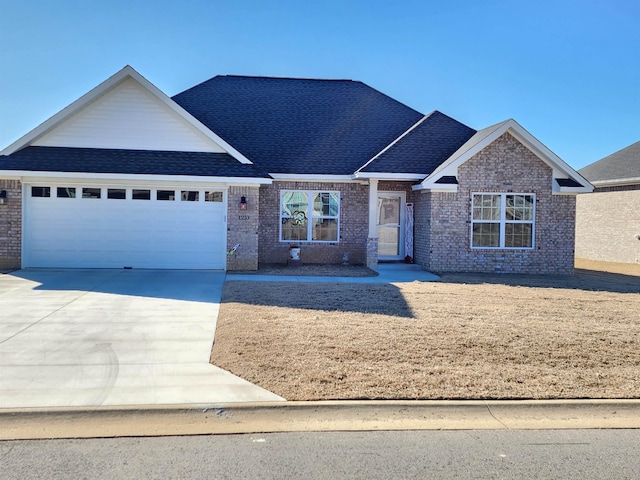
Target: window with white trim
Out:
[503,220]
[309,216]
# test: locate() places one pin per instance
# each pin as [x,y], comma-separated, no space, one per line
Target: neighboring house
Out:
[128,177]
[608,221]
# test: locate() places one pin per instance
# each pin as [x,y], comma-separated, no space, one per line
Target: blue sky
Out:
[567,70]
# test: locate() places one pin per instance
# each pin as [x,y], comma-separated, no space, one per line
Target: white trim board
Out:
[103,89]
[484,138]
[28,176]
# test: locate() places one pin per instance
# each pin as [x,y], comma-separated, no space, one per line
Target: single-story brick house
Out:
[128,177]
[608,220]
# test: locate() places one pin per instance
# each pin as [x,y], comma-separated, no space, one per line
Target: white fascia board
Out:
[489,135]
[391,176]
[572,190]
[545,154]
[410,129]
[72,108]
[436,187]
[29,176]
[296,177]
[100,90]
[474,145]
[443,188]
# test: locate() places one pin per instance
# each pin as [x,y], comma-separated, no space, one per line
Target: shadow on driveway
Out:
[188,285]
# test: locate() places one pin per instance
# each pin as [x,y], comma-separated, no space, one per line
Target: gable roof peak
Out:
[488,135]
[122,75]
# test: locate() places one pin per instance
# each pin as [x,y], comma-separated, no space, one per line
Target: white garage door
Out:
[116,227]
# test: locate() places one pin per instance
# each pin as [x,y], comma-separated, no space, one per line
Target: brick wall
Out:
[443,227]
[385,186]
[242,228]
[354,198]
[607,225]
[422,228]
[11,225]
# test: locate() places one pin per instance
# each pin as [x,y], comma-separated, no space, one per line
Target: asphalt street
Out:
[486,454]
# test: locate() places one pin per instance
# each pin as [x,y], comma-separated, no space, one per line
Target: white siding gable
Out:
[128,117]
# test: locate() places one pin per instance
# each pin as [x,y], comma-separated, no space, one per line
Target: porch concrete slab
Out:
[113,337]
[387,273]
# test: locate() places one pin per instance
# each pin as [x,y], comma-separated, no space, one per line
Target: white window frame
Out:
[310,216]
[503,222]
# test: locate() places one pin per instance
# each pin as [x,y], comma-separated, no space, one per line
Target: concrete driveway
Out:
[113,337]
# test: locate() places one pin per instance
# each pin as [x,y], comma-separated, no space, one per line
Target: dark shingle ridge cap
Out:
[298,79]
[620,166]
[275,77]
[295,126]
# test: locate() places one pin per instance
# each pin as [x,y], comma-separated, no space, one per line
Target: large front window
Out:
[502,220]
[309,216]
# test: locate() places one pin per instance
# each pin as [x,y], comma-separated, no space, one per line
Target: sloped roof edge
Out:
[400,137]
[621,167]
[488,135]
[104,87]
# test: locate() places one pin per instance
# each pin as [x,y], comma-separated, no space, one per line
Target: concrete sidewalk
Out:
[318,416]
[388,273]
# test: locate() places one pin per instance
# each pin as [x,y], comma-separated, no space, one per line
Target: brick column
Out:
[242,228]
[11,225]
[372,240]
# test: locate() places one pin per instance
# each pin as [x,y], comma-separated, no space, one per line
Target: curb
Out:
[327,416]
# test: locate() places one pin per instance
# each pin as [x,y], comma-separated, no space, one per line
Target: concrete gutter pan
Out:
[270,417]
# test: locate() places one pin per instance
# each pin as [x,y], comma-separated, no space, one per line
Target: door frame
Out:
[403,200]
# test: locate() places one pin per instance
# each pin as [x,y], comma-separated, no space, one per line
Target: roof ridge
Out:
[275,77]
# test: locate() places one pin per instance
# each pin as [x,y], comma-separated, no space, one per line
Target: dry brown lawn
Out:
[465,337]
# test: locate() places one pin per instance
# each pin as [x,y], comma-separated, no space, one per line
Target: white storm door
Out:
[390,223]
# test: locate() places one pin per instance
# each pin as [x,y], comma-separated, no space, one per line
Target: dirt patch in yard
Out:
[467,336]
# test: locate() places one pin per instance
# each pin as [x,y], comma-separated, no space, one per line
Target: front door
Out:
[390,222]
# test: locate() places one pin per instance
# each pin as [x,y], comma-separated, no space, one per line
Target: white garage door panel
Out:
[113,233]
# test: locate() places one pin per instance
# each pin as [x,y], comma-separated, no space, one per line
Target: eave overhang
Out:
[483,138]
[28,176]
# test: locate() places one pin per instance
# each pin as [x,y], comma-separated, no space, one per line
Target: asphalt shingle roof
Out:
[143,162]
[424,148]
[621,165]
[299,126]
